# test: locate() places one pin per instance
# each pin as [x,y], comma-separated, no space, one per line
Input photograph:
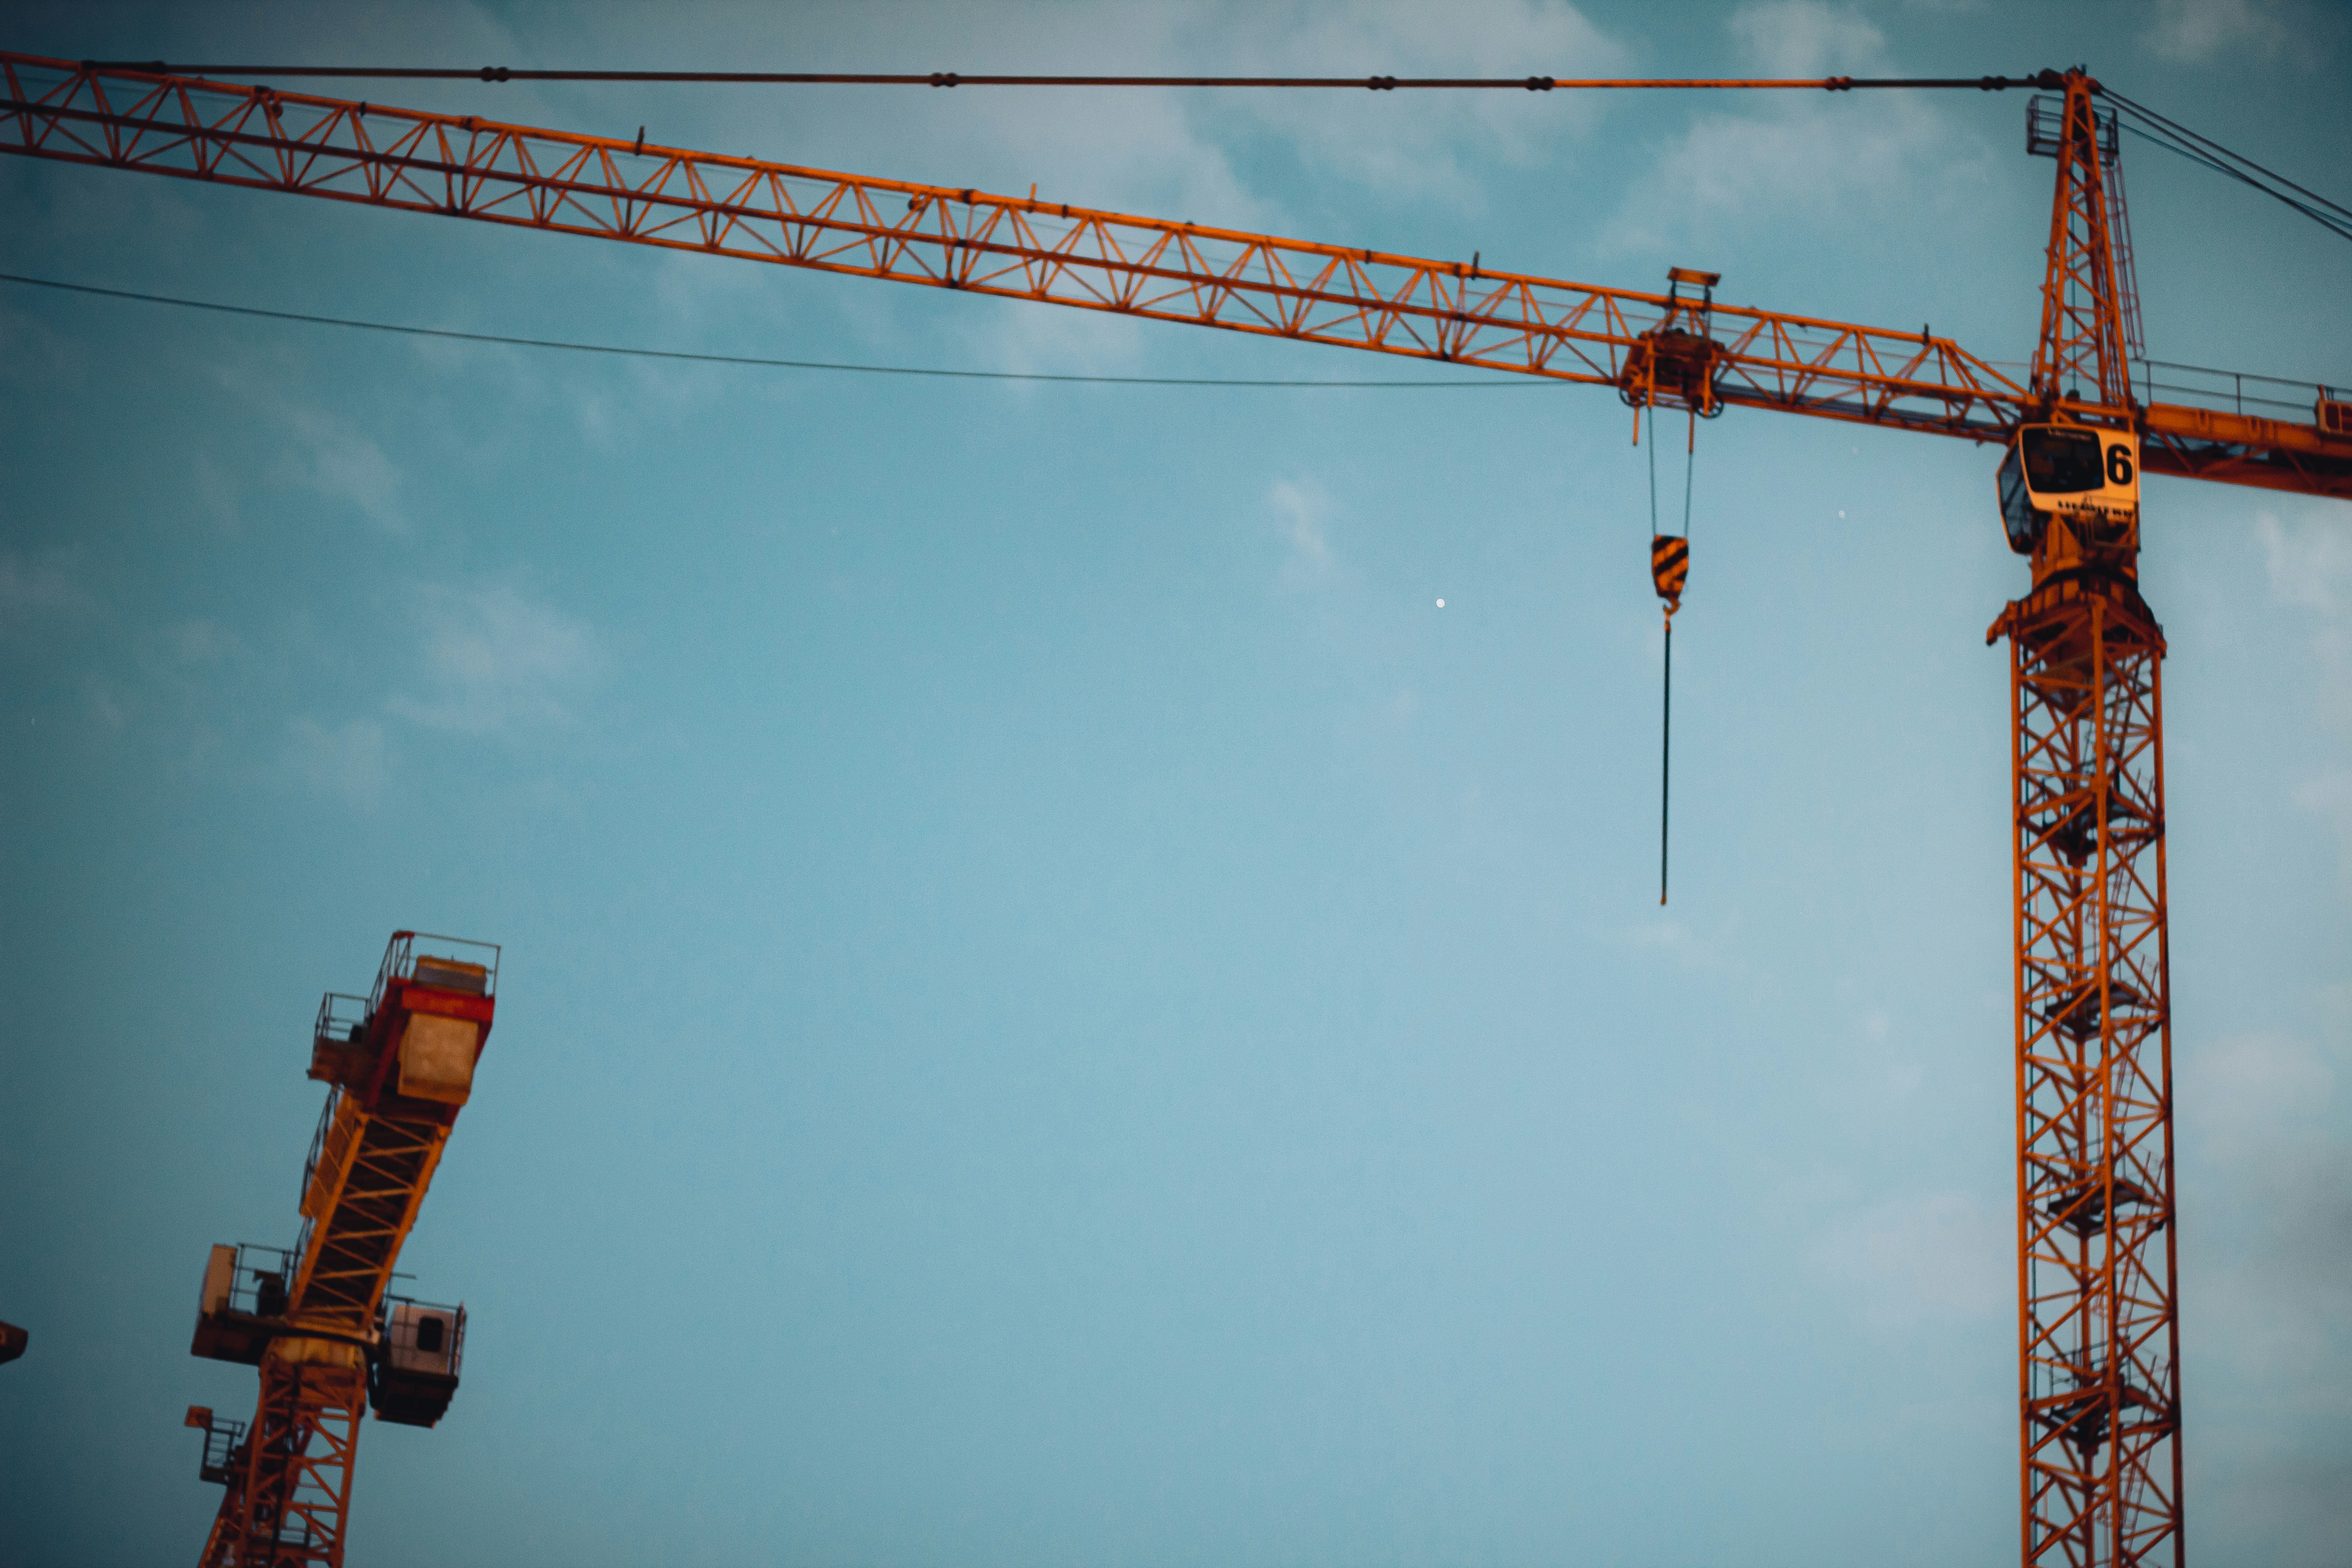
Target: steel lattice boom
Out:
[1026,248]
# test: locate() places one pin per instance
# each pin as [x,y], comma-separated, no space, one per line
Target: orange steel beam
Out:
[1022,248]
[289,1479]
[296,1492]
[361,1201]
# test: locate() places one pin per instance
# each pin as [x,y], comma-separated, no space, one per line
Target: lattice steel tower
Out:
[2098,1323]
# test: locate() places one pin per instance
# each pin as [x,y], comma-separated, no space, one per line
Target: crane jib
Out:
[1025,247]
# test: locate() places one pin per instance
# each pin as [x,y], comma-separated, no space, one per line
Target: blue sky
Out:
[1056,1008]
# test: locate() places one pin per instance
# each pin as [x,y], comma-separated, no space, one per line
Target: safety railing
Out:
[221,1441]
[264,1276]
[318,1144]
[401,956]
[342,1020]
[2235,391]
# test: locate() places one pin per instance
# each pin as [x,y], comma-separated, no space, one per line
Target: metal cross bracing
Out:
[289,1493]
[1022,247]
[2083,347]
[365,1185]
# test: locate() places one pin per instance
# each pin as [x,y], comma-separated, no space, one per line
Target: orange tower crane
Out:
[318,1320]
[2099,1406]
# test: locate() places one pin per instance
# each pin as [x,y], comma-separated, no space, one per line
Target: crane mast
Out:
[399,1064]
[2098,1326]
[2100,1400]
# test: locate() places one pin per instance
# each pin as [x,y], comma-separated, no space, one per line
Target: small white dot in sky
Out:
[1441,604]
[1841,514]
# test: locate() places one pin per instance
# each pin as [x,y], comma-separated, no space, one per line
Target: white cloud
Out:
[1808,38]
[32,589]
[1302,511]
[2329,798]
[336,460]
[34,356]
[2266,1226]
[348,761]
[493,660]
[1024,337]
[1421,147]
[2241,1094]
[1922,1259]
[2309,559]
[203,642]
[1688,946]
[2194,31]
[105,703]
[1796,153]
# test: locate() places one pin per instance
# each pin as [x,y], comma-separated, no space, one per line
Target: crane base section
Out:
[289,1480]
[2099,1337]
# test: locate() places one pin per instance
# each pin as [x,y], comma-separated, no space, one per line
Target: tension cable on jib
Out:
[1677,359]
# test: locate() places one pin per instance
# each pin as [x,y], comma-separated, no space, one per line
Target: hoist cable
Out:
[1661,570]
[1665,757]
[1690,469]
[1653,444]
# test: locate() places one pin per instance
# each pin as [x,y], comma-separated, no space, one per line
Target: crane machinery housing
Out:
[2099,1405]
[319,1322]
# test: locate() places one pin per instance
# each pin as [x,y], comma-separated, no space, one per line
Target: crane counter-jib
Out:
[1455,312]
